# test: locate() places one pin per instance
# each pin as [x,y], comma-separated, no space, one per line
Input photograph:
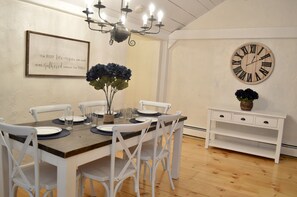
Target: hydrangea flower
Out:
[110,78]
[246,95]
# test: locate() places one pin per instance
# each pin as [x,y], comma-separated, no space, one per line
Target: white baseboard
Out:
[289,150]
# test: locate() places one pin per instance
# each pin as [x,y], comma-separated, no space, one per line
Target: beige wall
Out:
[199,73]
[18,93]
[143,59]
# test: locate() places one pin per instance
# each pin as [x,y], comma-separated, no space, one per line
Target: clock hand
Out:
[251,61]
[254,62]
[261,58]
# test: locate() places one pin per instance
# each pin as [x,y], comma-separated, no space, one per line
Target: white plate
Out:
[149,112]
[48,130]
[106,128]
[143,119]
[75,118]
[101,113]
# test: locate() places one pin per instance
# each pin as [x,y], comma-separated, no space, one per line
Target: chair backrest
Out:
[159,105]
[16,160]
[83,105]
[132,156]
[163,136]
[34,111]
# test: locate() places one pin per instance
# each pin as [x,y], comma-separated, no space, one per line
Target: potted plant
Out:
[246,98]
[109,78]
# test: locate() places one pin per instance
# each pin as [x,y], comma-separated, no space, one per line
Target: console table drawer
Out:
[267,122]
[243,118]
[220,115]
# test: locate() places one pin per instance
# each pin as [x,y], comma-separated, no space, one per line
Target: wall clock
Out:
[252,63]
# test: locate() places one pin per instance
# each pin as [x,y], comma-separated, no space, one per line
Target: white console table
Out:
[252,132]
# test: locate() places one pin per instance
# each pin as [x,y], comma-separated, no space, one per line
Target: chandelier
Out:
[118,31]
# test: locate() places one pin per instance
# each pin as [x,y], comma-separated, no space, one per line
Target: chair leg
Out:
[106,187]
[170,180]
[164,164]
[92,188]
[144,171]
[153,180]
[82,186]
[48,193]
[169,174]
[14,190]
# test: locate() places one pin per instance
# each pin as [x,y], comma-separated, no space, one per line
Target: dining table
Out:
[79,147]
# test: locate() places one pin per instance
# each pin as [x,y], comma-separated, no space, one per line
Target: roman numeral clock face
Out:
[252,63]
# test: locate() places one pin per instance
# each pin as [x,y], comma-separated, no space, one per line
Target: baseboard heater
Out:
[193,130]
[194,127]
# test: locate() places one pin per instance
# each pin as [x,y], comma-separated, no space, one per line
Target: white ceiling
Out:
[177,13]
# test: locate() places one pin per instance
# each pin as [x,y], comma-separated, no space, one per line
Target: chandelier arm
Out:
[131,42]
[100,30]
[106,21]
[110,41]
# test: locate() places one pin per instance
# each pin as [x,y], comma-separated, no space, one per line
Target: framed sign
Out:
[50,55]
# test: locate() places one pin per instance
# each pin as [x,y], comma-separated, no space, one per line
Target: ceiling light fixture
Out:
[118,31]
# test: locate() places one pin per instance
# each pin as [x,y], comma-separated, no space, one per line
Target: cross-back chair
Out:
[111,171]
[160,106]
[31,177]
[92,104]
[160,150]
[34,111]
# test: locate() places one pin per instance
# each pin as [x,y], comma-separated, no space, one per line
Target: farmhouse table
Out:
[78,148]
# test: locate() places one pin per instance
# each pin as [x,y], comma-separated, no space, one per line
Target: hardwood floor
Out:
[216,172]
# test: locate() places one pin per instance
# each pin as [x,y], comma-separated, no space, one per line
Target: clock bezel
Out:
[258,44]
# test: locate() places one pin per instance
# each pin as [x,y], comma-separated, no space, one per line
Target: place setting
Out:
[103,129]
[147,112]
[100,114]
[76,120]
[142,115]
[48,132]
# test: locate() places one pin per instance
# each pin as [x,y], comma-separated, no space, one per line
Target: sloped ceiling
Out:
[177,13]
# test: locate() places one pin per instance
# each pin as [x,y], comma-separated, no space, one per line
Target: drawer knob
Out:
[221,116]
[243,119]
[265,122]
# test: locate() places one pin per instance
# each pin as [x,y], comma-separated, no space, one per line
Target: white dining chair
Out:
[34,111]
[31,177]
[159,106]
[111,170]
[153,153]
[92,104]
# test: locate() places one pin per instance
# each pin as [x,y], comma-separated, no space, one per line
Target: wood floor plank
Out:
[216,172]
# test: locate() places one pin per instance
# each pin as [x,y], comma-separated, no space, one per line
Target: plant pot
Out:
[108,119]
[246,105]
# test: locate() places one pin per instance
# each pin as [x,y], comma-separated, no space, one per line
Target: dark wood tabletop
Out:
[80,140]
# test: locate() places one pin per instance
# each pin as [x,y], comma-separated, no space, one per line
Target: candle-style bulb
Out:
[103,16]
[144,18]
[123,19]
[160,16]
[89,3]
[127,2]
[152,9]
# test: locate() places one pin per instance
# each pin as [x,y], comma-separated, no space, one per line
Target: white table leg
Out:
[4,172]
[66,178]
[177,147]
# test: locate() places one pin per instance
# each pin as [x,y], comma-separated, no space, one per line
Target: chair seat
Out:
[147,152]
[100,169]
[47,176]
